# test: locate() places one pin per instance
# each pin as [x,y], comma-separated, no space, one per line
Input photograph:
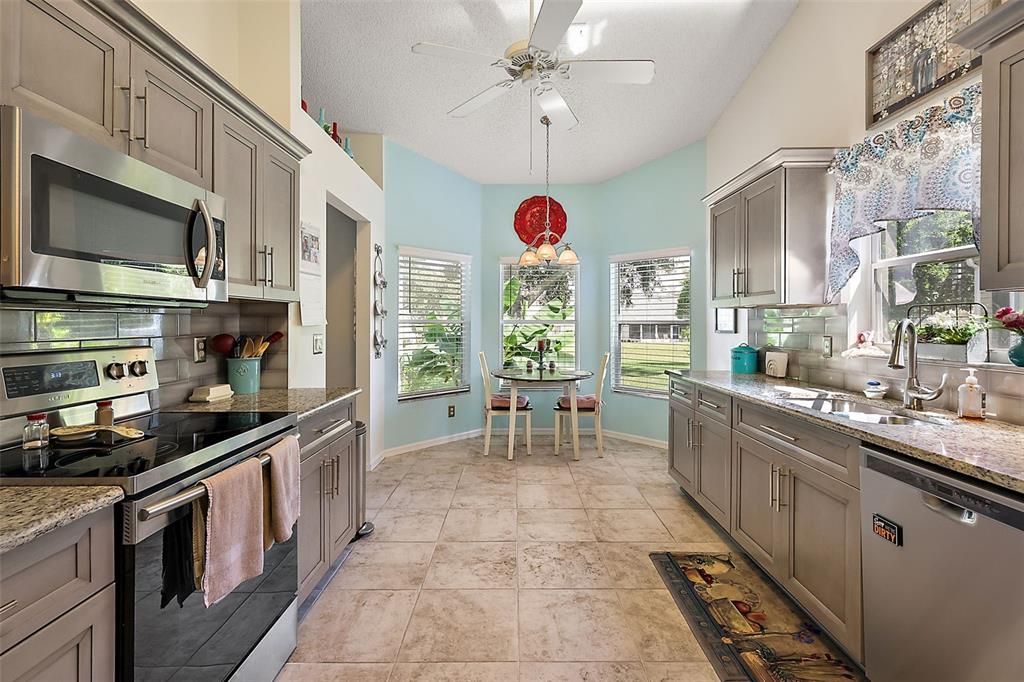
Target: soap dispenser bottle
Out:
[970,397]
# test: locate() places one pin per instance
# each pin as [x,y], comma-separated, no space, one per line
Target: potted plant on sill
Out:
[1008,319]
[945,336]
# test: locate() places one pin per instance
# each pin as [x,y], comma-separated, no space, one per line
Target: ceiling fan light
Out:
[546,252]
[568,256]
[528,258]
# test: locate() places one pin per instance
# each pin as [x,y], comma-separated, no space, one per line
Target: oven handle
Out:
[186,496]
[211,246]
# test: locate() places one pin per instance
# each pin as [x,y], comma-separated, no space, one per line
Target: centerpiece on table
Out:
[947,336]
[1008,319]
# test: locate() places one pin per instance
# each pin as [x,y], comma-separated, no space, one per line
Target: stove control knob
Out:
[138,368]
[116,370]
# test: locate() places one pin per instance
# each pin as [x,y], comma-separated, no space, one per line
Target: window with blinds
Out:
[433,323]
[538,301]
[650,320]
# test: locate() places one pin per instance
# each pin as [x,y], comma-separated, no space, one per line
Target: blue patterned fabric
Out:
[931,162]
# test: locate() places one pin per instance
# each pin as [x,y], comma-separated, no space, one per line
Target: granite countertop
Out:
[989,450]
[304,401]
[31,511]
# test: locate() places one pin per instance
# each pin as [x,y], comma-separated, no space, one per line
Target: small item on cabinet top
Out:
[776,363]
[864,347]
[970,397]
[210,393]
[875,389]
[104,415]
[744,359]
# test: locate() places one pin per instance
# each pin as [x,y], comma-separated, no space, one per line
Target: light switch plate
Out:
[826,346]
[199,349]
[318,344]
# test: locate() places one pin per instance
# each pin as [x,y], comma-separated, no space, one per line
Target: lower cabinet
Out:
[681,463]
[757,523]
[713,477]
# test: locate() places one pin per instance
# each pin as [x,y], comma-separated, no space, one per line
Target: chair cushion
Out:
[583,402]
[504,402]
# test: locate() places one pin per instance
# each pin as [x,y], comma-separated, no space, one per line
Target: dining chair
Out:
[586,406]
[497,405]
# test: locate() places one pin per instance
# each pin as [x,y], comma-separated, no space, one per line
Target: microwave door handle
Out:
[211,246]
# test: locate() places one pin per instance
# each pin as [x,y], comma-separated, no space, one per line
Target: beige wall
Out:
[808,89]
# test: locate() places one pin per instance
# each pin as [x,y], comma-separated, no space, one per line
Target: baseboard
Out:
[419,445]
[642,440]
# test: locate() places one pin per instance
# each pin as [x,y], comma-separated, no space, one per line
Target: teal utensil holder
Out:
[244,375]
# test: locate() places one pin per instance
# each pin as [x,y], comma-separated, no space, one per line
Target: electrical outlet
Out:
[199,349]
[826,346]
[451,411]
[318,344]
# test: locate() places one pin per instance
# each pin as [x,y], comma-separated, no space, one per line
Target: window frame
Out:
[615,343]
[465,262]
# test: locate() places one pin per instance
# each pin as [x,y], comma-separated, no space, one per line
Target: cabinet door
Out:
[757,524]
[281,223]
[823,568]
[314,552]
[713,482]
[681,461]
[77,647]
[343,512]
[724,245]
[66,63]
[1002,166]
[237,177]
[173,121]
[760,267]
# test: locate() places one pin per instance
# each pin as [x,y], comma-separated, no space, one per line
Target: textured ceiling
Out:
[357,64]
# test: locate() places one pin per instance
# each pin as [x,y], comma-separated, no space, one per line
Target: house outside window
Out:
[650,320]
[433,323]
[538,301]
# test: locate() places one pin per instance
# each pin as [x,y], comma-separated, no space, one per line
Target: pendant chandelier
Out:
[545,252]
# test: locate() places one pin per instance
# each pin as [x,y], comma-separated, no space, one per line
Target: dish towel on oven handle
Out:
[281,491]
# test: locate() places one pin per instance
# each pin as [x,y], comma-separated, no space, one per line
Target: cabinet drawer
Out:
[325,425]
[681,391]
[823,449]
[53,573]
[714,404]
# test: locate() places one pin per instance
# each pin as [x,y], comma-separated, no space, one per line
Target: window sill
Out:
[433,394]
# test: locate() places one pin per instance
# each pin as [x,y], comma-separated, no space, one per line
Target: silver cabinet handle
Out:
[734,273]
[336,425]
[337,475]
[953,512]
[329,477]
[740,278]
[689,433]
[777,433]
[708,403]
[270,272]
[211,246]
[700,433]
[771,487]
[779,473]
[130,130]
[266,266]
[13,604]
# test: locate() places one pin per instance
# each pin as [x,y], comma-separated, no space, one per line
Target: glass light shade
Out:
[546,252]
[568,256]
[529,258]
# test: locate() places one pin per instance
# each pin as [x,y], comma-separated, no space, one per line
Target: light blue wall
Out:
[432,207]
[656,206]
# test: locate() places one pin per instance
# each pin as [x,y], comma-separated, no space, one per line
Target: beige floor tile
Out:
[384,566]
[462,626]
[353,626]
[407,525]
[681,672]
[481,475]
[665,496]
[660,631]
[472,565]
[647,476]
[334,672]
[581,672]
[413,496]
[619,496]
[629,565]
[562,565]
[688,526]
[553,496]
[434,479]
[454,672]
[544,473]
[479,525]
[568,525]
[598,473]
[486,496]
[627,525]
[377,494]
[573,625]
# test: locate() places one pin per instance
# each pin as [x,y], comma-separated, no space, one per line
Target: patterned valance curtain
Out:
[929,163]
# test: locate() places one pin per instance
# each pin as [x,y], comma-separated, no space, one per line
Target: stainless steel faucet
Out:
[914,394]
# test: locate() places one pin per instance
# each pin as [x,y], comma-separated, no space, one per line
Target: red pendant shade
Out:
[529,220]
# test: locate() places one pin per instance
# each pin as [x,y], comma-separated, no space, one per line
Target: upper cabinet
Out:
[999,36]
[768,231]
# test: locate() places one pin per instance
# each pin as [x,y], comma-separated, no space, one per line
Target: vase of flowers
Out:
[946,336]
[1012,320]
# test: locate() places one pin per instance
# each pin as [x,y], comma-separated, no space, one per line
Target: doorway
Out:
[340,301]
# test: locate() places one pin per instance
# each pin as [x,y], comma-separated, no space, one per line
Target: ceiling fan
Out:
[535,64]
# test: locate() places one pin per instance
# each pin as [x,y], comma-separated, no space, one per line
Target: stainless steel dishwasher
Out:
[943,563]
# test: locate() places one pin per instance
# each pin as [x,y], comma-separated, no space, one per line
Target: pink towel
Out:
[234,529]
[284,488]
[583,402]
[504,402]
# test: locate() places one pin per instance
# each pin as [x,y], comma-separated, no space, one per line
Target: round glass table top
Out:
[537,374]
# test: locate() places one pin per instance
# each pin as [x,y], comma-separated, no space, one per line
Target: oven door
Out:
[93,221]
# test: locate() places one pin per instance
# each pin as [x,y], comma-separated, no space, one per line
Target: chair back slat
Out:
[486,374]
[600,376]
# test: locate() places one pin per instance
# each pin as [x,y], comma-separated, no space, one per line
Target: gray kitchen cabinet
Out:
[759,272]
[281,223]
[61,60]
[77,647]
[713,472]
[171,122]
[314,553]
[343,497]
[724,242]
[757,523]
[681,460]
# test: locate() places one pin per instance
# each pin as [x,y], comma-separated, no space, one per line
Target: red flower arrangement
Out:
[1010,319]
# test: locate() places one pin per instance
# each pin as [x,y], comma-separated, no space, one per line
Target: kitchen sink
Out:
[867,413]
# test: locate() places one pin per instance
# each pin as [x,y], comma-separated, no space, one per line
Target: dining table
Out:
[522,377]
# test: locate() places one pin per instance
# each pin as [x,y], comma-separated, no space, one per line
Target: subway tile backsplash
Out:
[170,331]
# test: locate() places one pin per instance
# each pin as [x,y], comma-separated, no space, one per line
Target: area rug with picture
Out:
[747,626]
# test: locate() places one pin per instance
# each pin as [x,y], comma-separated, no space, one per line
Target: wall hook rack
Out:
[380,283]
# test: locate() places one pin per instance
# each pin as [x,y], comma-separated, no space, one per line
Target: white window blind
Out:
[538,301]
[433,323]
[650,320]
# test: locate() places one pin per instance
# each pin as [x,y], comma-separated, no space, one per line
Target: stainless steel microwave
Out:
[86,222]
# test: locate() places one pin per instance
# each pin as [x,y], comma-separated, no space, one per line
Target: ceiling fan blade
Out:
[638,71]
[557,109]
[553,21]
[456,54]
[477,101]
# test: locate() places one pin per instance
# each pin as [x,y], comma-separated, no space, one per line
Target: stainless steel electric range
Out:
[246,636]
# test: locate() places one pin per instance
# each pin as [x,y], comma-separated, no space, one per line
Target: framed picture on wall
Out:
[310,255]
[725,320]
